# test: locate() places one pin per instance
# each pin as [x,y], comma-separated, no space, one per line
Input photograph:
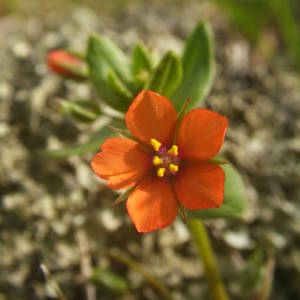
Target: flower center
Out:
[165,161]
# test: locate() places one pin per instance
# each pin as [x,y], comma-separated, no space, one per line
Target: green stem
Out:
[205,251]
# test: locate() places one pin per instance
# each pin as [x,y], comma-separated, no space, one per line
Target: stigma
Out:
[165,161]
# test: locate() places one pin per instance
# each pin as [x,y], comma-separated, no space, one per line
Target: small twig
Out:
[86,263]
[57,290]
[154,282]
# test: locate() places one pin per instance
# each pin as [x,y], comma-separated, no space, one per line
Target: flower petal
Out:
[200,186]
[201,134]
[152,205]
[151,116]
[122,162]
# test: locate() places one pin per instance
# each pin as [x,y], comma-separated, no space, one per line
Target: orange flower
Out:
[166,163]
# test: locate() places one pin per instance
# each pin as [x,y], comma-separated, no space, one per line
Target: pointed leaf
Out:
[81,110]
[123,197]
[198,67]
[167,75]
[118,86]
[242,14]
[141,65]
[102,57]
[234,198]
[92,145]
[289,27]
[110,56]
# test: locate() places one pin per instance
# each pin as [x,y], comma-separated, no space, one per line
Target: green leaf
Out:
[103,57]
[141,65]
[109,280]
[287,23]
[234,198]
[81,110]
[198,67]
[167,76]
[118,86]
[242,14]
[91,146]
[110,56]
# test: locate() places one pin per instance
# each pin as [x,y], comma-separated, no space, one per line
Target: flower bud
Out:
[66,64]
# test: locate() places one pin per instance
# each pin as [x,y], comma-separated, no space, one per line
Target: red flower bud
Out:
[66,64]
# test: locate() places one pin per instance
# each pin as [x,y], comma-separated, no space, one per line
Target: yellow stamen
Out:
[173,168]
[161,172]
[155,144]
[173,150]
[157,160]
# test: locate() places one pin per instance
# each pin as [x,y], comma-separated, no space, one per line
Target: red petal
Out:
[122,162]
[151,116]
[200,186]
[201,134]
[152,205]
[58,58]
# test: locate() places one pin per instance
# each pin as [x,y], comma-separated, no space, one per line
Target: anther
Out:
[156,160]
[161,172]
[173,168]
[155,144]
[173,150]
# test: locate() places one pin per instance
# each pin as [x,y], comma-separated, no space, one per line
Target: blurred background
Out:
[55,212]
